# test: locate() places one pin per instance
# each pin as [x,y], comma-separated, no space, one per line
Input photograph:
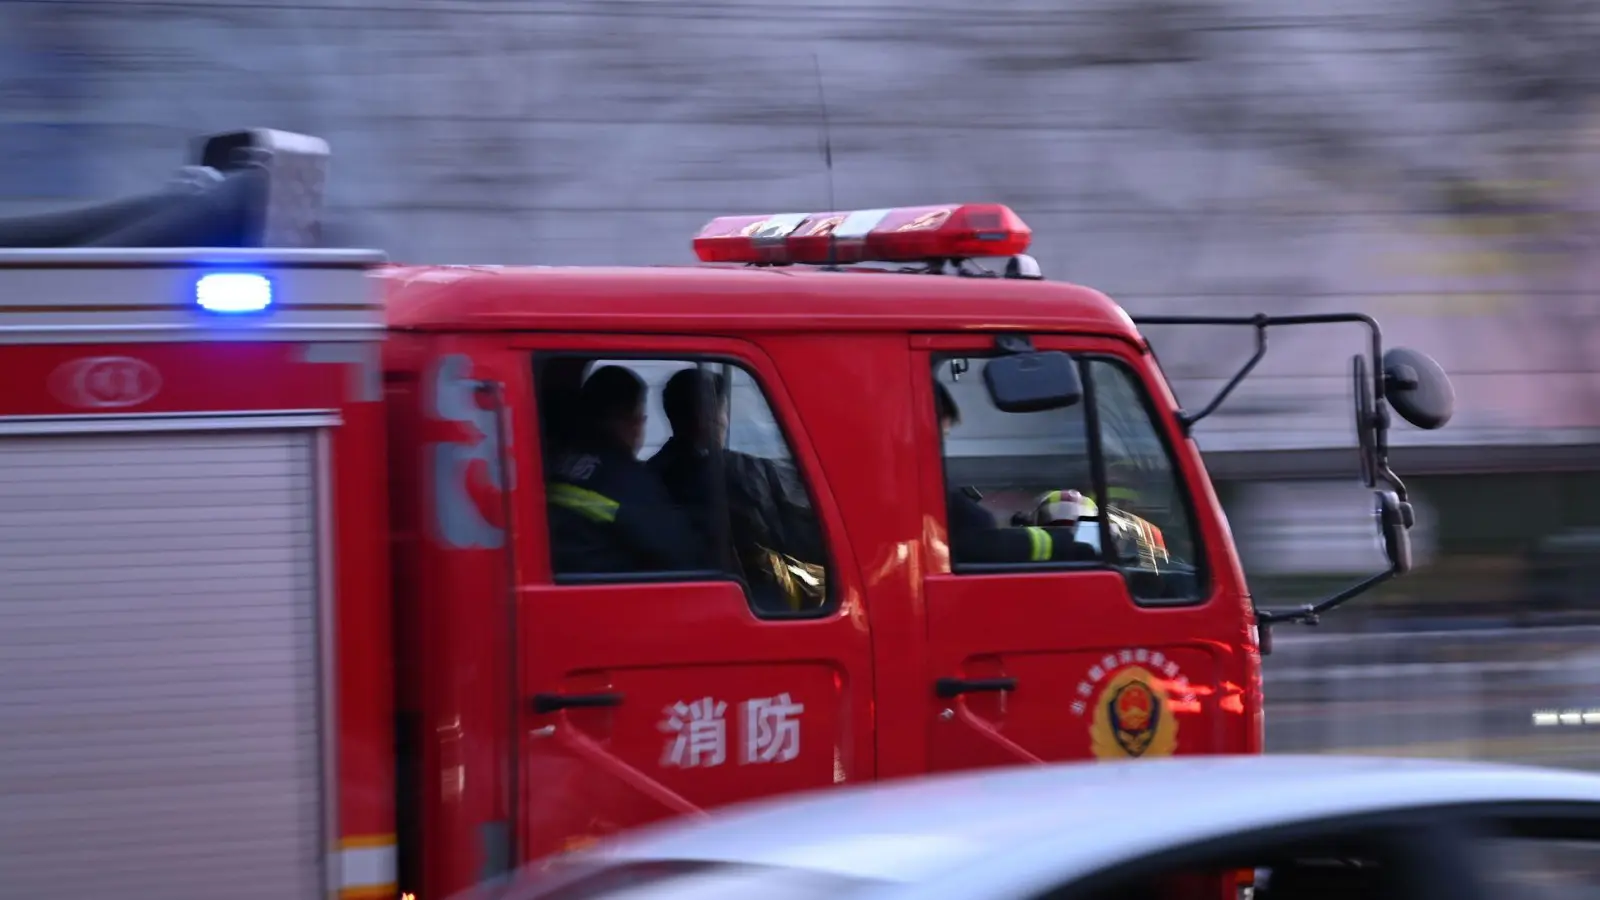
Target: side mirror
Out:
[1366,421]
[1417,388]
[1033,381]
[1394,519]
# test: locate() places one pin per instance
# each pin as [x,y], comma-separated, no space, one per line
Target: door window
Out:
[1090,485]
[1019,487]
[676,470]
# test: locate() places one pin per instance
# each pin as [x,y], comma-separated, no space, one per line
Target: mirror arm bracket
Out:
[1187,420]
[1387,474]
[1013,344]
[1311,613]
[1261,322]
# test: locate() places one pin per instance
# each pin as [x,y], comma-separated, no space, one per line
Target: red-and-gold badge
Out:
[1129,697]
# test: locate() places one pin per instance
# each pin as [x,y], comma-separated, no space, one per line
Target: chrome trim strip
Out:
[195,256]
[126,423]
[146,334]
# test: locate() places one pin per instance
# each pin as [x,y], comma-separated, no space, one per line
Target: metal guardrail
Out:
[1449,694]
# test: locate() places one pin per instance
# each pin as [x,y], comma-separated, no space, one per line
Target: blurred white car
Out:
[1282,827]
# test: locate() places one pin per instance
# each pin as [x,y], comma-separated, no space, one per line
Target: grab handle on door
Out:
[549,703]
[955,687]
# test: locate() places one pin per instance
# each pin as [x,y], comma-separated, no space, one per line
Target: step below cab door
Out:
[652,685]
[1063,628]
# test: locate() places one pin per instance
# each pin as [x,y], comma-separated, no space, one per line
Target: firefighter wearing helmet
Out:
[975,536]
[1135,538]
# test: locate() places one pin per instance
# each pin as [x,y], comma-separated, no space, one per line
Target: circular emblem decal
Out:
[105,382]
[1131,699]
[1133,718]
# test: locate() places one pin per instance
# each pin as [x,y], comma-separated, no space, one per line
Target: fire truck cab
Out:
[291,570]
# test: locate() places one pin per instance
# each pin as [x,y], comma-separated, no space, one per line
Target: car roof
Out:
[735,299]
[1079,817]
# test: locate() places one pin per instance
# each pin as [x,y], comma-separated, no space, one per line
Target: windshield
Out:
[674,879]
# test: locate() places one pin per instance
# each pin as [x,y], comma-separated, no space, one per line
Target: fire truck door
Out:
[1041,646]
[655,689]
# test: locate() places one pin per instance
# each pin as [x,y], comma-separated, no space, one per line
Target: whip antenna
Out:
[827,160]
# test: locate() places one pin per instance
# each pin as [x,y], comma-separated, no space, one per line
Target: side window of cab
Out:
[676,470]
[1019,487]
[1088,485]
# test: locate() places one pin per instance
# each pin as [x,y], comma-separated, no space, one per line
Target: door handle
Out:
[549,703]
[955,687]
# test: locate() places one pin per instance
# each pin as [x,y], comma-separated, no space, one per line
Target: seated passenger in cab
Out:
[977,537]
[608,512]
[771,526]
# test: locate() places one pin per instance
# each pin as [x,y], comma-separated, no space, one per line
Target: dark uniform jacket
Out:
[767,500]
[611,514]
[975,537]
[771,526]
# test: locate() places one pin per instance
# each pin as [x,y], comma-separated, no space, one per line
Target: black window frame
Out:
[832,596]
[1200,558]
[1098,483]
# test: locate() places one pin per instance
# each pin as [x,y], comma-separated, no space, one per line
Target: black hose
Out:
[230,214]
[78,227]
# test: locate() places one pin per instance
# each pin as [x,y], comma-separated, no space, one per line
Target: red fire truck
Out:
[287,608]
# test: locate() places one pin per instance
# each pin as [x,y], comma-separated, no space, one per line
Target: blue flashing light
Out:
[233,292]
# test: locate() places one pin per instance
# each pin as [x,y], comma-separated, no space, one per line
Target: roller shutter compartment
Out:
[159,717]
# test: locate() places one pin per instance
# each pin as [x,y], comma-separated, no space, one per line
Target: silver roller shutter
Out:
[159,718]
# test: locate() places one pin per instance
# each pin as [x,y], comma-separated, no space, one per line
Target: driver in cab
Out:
[977,537]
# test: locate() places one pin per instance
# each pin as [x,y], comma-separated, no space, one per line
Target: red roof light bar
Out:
[907,234]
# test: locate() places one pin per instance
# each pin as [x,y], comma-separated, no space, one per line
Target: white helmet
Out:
[1061,508]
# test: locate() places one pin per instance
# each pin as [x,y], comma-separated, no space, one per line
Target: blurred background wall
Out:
[1432,162]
